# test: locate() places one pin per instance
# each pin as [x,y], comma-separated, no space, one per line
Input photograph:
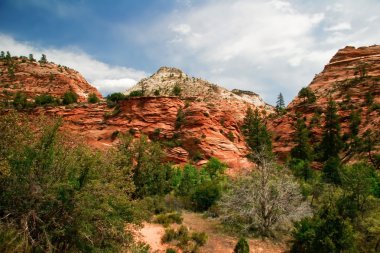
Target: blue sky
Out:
[267,46]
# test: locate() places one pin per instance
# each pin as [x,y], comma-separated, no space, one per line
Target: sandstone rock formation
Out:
[350,78]
[34,78]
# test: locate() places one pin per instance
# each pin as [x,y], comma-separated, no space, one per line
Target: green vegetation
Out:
[184,240]
[242,246]
[280,104]
[92,98]
[255,130]
[116,97]
[136,93]
[43,59]
[44,99]
[69,97]
[59,197]
[307,95]
[176,90]
[20,101]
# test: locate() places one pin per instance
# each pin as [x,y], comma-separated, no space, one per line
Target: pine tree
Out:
[303,149]
[280,104]
[43,59]
[242,246]
[31,58]
[256,132]
[2,55]
[331,141]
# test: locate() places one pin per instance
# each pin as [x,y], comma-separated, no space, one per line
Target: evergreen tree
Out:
[280,104]
[2,55]
[242,246]
[331,141]
[43,59]
[303,149]
[302,152]
[8,56]
[256,132]
[31,58]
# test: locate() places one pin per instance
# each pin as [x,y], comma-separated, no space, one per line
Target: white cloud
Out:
[265,46]
[106,78]
[339,27]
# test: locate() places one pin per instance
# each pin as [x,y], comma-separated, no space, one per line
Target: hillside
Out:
[352,80]
[35,78]
[169,81]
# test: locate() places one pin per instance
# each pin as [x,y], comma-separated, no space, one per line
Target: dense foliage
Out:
[59,197]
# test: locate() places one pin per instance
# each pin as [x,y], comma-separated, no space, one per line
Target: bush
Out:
[116,97]
[92,98]
[170,250]
[56,197]
[177,90]
[206,195]
[242,246]
[69,97]
[200,238]
[44,99]
[169,218]
[136,93]
[20,100]
[170,235]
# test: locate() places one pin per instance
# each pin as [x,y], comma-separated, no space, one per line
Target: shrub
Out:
[69,97]
[206,195]
[169,218]
[242,246]
[177,90]
[92,98]
[44,99]
[136,93]
[200,238]
[58,197]
[307,95]
[116,97]
[20,100]
[170,250]
[170,235]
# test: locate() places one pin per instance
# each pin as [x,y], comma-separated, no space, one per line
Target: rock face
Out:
[350,78]
[34,78]
[173,82]
[201,122]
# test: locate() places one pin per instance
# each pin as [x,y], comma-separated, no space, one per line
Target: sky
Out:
[265,46]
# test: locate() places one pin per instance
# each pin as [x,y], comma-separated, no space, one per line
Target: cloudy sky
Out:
[259,45]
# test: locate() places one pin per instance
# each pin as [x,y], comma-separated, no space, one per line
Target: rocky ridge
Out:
[164,81]
[351,76]
[35,78]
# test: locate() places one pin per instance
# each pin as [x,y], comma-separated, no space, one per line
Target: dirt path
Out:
[217,241]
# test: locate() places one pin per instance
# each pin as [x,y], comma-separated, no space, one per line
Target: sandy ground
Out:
[217,241]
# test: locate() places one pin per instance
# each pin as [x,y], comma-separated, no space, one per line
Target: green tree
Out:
[44,99]
[303,149]
[307,95]
[31,58]
[43,59]
[176,90]
[257,135]
[2,55]
[242,246]
[60,197]
[92,98]
[331,143]
[20,100]
[280,104]
[69,97]
[115,97]
[150,175]
[326,232]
